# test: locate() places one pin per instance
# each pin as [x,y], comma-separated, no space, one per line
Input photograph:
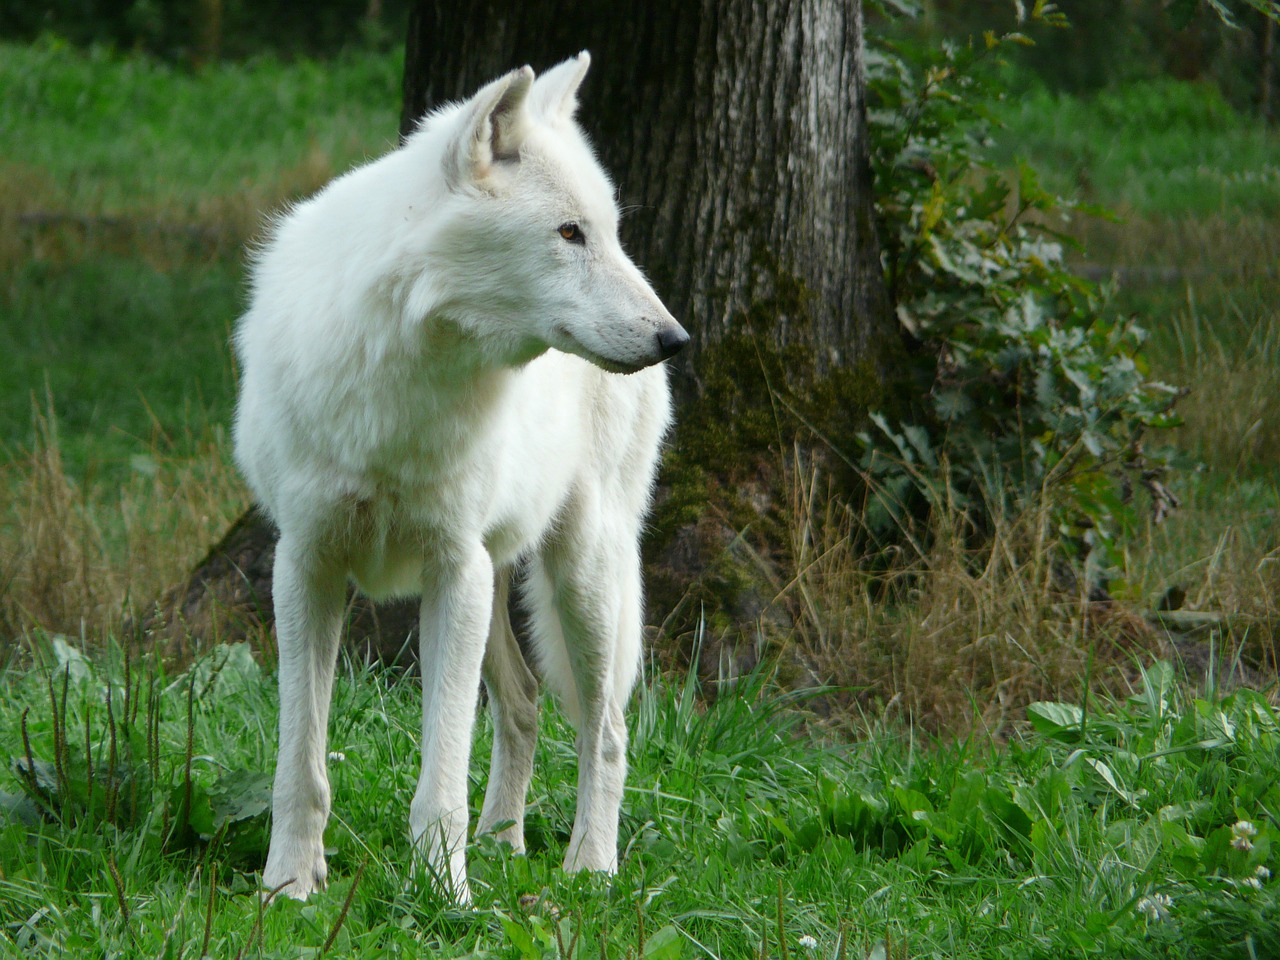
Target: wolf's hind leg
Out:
[513,702]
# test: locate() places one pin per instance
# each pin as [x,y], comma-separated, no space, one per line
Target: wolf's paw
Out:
[295,871]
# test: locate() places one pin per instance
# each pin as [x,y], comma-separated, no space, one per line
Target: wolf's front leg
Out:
[456,604]
[308,598]
[513,702]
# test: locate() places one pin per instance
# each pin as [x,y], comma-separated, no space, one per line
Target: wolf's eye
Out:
[572,232]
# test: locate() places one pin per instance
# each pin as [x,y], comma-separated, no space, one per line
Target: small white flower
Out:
[808,942]
[1242,835]
[1156,906]
[1262,873]
[337,756]
[1253,883]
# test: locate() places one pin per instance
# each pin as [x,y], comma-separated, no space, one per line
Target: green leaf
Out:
[666,943]
[71,661]
[1112,781]
[519,937]
[1059,721]
[241,795]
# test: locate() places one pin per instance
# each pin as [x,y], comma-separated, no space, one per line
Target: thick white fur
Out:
[430,399]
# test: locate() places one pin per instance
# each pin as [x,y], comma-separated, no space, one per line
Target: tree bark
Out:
[736,132]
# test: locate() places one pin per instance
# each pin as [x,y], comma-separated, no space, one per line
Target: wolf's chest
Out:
[501,480]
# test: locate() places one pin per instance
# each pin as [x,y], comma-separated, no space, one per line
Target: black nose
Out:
[671,340]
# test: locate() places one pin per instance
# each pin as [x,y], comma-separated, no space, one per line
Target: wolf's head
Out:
[530,231]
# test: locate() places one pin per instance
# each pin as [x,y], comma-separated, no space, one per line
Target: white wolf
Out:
[430,398]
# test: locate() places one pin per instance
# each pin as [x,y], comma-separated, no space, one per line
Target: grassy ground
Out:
[1136,829]
[127,192]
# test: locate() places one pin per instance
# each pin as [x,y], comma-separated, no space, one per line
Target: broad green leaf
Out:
[519,937]
[71,661]
[240,795]
[666,943]
[1061,721]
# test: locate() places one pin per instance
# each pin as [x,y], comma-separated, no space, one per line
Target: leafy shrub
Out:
[1031,386]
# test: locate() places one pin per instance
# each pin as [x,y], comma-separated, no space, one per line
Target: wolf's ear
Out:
[555,93]
[494,125]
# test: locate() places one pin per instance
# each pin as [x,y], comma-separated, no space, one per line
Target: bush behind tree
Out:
[1220,42]
[1031,385]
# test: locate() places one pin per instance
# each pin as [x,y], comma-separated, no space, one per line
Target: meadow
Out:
[1017,775]
[1136,829]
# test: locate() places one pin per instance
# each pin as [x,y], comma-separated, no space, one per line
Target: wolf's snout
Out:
[671,340]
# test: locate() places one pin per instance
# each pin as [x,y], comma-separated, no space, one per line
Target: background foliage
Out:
[204,31]
[1221,43]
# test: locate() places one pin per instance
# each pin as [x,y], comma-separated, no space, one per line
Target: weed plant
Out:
[134,817]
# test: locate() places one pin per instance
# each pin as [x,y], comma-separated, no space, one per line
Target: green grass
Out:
[1159,147]
[131,356]
[128,192]
[740,836]
[115,133]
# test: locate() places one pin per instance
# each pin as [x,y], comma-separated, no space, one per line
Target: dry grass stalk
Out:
[74,559]
[951,629]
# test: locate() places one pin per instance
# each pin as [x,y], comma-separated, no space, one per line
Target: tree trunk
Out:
[737,129]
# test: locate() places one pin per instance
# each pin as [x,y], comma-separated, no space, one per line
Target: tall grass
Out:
[79,558]
[949,629]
